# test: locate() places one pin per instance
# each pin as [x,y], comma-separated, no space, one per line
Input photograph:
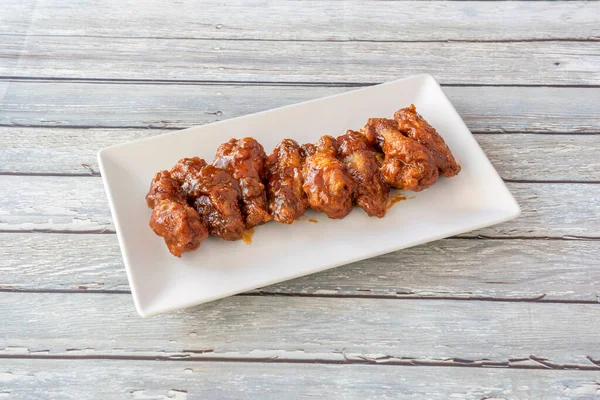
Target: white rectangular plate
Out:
[476,198]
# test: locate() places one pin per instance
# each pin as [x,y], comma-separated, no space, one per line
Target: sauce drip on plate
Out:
[247,236]
[396,198]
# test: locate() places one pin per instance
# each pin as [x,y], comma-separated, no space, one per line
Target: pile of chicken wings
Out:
[244,187]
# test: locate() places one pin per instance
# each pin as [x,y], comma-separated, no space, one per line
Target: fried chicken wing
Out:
[414,126]
[286,199]
[216,196]
[408,164]
[179,225]
[244,188]
[371,192]
[244,159]
[327,182]
[164,187]
[185,167]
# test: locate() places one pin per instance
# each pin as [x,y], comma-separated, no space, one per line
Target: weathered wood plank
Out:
[525,63]
[78,204]
[301,328]
[516,157]
[292,20]
[522,109]
[339,329]
[181,380]
[470,269]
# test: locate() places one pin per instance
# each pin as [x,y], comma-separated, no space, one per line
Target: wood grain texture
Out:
[552,270]
[68,104]
[66,66]
[301,328]
[524,63]
[78,204]
[515,157]
[184,380]
[293,20]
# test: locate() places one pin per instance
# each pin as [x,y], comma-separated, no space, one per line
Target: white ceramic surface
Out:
[476,198]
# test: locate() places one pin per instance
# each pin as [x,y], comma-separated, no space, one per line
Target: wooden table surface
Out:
[509,311]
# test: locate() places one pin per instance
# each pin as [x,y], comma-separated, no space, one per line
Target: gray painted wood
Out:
[67,104]
[58,42]
[515,156]
[184,380]
[78,204]
[292,20]
[551,63]
[554,270]
[306,328]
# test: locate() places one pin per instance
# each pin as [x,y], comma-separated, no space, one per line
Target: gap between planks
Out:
[398,296]
[200,82]
[179,128]
[532,362]
[465,236]
[180,380]
[328,40]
